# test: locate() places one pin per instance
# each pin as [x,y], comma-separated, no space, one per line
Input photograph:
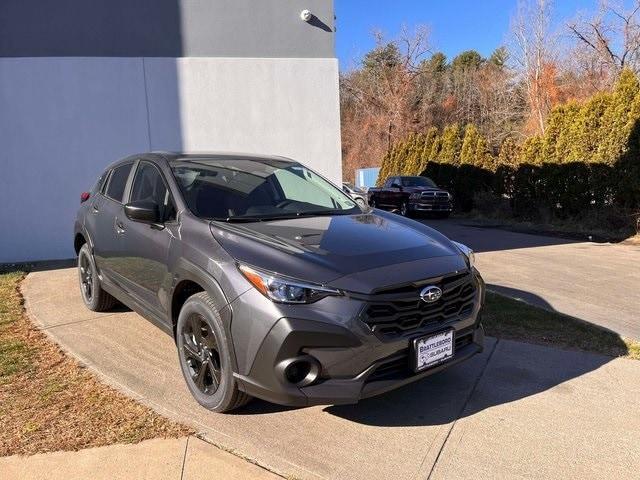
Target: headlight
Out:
[415,196]
[284,290]
[467,252]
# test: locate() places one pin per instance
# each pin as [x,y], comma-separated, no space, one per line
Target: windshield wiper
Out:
[290,216]
[320,213]
[241,219]
[238,219]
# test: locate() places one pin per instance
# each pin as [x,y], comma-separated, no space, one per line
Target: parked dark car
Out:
[411,196]
[272,281]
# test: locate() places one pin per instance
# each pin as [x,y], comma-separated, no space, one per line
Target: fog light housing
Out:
[300,371]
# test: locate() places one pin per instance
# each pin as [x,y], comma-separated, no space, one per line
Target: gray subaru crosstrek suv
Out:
[273,282]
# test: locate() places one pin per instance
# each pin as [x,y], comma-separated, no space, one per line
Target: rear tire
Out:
[205,356]
[93,296]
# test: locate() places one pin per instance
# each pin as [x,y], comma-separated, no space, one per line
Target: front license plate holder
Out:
[430,350]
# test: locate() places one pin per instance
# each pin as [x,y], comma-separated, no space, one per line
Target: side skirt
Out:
[136,306]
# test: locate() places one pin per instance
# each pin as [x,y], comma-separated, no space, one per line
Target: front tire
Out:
[93,296]
[205,356]
[404,209]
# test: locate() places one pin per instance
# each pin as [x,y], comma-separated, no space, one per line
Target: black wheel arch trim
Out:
[81,230]
[187,271]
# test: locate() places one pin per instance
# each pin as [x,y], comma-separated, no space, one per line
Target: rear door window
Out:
[118,182]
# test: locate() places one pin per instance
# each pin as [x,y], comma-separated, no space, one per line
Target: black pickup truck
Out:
[410,196]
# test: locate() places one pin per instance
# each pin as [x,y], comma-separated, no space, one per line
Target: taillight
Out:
[84,196]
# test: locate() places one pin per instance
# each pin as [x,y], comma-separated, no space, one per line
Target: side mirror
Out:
[396,185]
[143,211]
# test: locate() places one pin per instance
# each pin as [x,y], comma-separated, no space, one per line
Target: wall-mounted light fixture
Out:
[306,15]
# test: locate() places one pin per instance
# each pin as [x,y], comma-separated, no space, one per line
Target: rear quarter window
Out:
[118,182]
[98,187]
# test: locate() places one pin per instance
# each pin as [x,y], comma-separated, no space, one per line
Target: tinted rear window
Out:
[118,181]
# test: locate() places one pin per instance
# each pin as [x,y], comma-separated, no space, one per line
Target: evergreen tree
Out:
[532,151]
[587,132]
[436,64]
[509,153]
[451,145]
[468,60]
[617,121]
[436,147]
[499,57]
[429,141]
[469,145]
[483,157]
[382,57]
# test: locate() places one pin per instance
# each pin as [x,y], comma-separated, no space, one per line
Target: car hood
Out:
[359,253]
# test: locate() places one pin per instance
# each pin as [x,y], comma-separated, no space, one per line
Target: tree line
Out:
[565,98]
[587,159]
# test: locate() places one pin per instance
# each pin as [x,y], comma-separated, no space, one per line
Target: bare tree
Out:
[534,52]
[610,40]
[377,99]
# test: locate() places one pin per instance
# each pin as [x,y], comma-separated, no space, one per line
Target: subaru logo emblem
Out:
[430,294]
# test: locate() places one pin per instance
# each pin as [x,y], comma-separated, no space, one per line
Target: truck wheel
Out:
[404,209]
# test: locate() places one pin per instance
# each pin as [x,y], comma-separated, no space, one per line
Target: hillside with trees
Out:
[542,129]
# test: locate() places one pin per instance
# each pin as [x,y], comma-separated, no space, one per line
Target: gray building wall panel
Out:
[165,28]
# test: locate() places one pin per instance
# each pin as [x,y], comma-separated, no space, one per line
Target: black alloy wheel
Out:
[204,351]
[201,354]
[93,296]
[86,277]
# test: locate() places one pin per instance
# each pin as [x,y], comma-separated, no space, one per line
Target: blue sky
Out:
[456,25]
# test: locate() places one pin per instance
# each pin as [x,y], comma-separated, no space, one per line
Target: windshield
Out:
[256,189]
[418,182]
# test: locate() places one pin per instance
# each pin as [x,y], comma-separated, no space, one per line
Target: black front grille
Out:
[438,195]
[434,198]
[401,312]
[397,367]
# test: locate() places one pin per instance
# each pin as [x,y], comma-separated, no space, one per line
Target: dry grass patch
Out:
[504,317]
[49,402]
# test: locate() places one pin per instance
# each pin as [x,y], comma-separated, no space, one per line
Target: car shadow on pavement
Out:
[511,372]
[484,238]
[521,295]
[506,372]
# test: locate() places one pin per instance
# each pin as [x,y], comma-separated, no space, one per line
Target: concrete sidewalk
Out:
[163,459]
[515,411]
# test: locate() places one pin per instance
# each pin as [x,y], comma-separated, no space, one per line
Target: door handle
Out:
[94,208]
[119,226]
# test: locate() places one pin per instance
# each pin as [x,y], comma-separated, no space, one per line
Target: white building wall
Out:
[276,106]
[62,120]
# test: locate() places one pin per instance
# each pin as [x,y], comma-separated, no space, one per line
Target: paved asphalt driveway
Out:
[599,283]
[515,411]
